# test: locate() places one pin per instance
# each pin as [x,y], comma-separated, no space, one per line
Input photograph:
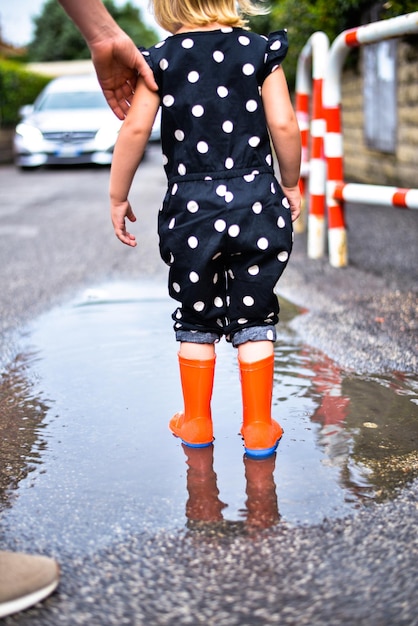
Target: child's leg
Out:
[197,367]
[261,433]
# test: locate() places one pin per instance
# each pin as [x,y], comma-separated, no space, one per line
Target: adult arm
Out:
[116,59]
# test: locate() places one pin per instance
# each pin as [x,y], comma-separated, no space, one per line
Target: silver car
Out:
[70,122]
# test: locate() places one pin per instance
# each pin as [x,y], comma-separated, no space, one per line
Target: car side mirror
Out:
[26,110]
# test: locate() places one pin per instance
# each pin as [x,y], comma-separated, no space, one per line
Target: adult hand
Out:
[116,59]
[118,63]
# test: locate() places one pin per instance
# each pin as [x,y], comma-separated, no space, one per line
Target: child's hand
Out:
[294,197]
[119,212]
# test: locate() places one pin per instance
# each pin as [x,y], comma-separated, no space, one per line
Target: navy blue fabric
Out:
[225,225]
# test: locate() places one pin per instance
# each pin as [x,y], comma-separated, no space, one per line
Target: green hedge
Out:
[18,86]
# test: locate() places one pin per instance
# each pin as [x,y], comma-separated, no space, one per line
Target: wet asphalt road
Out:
[56,239]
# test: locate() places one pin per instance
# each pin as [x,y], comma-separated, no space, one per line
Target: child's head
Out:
[173,14]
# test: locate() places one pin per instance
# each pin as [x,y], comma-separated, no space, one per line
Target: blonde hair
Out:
[173,14]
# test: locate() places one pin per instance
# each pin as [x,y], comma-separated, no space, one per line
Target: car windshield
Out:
[72,100]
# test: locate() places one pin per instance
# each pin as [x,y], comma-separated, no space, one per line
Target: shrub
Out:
[18,86]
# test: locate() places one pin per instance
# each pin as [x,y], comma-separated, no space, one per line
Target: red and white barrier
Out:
[314,53]
[333,143]
[377,195]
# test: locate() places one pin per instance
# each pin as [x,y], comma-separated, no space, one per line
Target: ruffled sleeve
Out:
[276,50]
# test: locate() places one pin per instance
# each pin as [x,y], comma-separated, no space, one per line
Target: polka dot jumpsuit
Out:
[225,225]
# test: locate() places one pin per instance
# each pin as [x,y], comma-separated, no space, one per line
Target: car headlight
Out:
[106,137]
[30,134]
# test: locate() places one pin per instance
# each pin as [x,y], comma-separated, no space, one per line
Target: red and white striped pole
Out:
[302,103]
[317,165]
[313,168]
[331,94]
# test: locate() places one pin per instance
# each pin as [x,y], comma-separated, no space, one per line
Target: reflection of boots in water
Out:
[262,508]
[203,504]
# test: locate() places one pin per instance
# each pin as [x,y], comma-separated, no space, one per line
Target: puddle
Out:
[85,443]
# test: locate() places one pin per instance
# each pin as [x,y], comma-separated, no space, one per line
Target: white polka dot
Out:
[219,322]
[268,159]
[145,53]
[174,189]
[221,190]
[229,163]
[226,29]
[251,106]
[270,335]
[181,169]
[263,243]
[193,242]
[193,77]
[257,207]
[253,270]
[179,135]
[248,300]
[285,203]
[244,41]
[202,147]
[192,206]
[217,255]
[229,196]
[274,68]
[227,126]
[218,302]
[176,287]
[198,110]
[163,64]
[165,160]
[218,56]
[242,320]
[283,256]
[172,223]
[249,178]
[199,306]
[168,100]
[215,279]
[178,314]
[233,231]
[194,277]
[276,45]
[220,225]
[171,261]
[254,141]
[222,91]
[160,44]
[281,223]
[248,69]
[187,43]
[231,274]
[273,188]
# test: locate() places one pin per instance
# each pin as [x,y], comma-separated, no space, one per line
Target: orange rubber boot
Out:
[261,433]
[194,424]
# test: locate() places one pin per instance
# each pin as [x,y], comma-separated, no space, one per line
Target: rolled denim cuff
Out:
[196,336]
[254,333]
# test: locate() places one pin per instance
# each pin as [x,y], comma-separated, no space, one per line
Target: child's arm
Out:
[285,135]
[129,150]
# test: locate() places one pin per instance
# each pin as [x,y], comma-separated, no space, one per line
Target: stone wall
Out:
[373,167]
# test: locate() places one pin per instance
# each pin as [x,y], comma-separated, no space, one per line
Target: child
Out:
[225,226]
